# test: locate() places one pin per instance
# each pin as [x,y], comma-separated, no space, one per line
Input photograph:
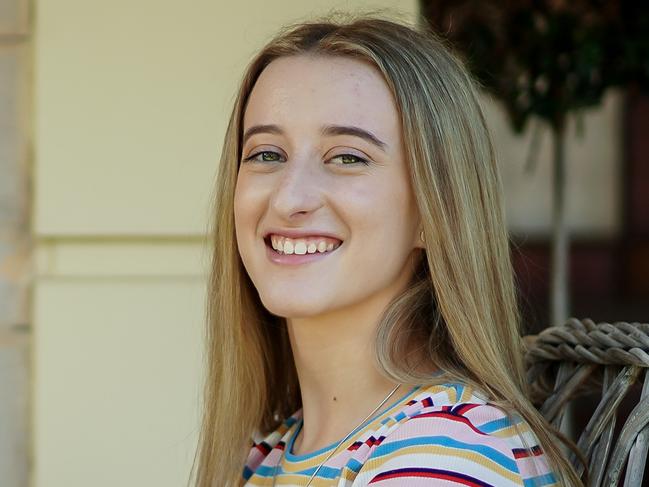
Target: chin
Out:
[294,305]
[292,310]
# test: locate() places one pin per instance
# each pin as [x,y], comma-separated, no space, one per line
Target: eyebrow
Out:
[327,130]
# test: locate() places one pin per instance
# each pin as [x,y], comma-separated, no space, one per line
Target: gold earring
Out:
[421,235]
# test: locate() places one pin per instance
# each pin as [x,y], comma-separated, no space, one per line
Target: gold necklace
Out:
[279,462]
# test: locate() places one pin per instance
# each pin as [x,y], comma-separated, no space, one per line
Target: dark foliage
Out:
[548,58]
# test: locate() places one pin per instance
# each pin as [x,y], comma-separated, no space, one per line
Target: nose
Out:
[298,192]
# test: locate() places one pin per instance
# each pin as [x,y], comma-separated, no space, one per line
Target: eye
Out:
[349,159]
[266,156]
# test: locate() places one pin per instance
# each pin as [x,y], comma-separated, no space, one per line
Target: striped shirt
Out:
[439,435]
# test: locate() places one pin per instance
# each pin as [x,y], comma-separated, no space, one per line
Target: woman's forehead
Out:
[316,90]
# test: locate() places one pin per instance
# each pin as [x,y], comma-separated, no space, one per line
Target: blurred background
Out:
[111,120]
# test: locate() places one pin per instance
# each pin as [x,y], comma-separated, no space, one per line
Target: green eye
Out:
[266,156]
[349,159]
[269,156]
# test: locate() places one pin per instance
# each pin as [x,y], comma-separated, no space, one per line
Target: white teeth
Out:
[300,248]
[285,245]
[288,247]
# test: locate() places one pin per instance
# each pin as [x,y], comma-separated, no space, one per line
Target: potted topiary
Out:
[549,60]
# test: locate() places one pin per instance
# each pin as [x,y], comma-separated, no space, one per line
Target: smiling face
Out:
[324,212]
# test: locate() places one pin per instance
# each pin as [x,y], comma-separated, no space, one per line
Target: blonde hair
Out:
[460,312]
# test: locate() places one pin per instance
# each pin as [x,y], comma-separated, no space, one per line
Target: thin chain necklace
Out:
[339,443]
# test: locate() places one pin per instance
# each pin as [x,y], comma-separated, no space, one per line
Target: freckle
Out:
[335,398]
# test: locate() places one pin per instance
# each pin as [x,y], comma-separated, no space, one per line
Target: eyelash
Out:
[360,160]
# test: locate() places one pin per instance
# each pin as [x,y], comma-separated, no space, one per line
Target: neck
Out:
[339,381]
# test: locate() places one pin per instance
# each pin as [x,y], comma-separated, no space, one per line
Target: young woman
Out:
[363,326]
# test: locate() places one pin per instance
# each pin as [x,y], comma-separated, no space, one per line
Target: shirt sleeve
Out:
[465,445]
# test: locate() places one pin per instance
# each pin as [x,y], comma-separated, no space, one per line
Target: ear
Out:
[420,239]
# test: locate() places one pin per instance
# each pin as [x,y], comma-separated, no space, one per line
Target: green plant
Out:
[549,59]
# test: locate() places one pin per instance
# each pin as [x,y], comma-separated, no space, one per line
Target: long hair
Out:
[460,311]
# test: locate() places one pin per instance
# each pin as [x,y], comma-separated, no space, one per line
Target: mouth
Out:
[284,250]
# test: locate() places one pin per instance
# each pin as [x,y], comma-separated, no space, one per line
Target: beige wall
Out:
[131,101]
[593,172]
[15,244]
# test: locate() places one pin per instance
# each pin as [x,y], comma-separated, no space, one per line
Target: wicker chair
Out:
[582,357]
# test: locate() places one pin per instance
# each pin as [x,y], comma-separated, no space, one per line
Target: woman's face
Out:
[324,212]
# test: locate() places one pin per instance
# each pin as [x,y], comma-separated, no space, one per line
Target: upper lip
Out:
[293,233]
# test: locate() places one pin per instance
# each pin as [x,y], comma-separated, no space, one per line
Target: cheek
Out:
[383,221]
[248,202]
[247,205]
[384,207]
[240,207]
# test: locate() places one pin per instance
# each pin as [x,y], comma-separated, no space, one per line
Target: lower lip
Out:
[295,259]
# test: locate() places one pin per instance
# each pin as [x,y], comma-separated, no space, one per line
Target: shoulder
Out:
[263,446]
[454,436]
